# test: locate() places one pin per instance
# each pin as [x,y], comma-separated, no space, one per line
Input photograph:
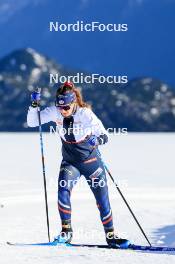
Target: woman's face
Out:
[65,111]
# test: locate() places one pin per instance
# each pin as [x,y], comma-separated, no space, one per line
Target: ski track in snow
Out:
[142,163]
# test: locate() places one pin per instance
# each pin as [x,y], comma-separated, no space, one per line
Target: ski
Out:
[151,248]
[52,243]
[131,247]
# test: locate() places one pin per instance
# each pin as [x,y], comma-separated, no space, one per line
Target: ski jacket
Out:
[74,130]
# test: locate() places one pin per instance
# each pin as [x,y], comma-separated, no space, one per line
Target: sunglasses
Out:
[65,108]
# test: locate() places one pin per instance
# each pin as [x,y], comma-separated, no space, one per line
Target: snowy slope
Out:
[143,164]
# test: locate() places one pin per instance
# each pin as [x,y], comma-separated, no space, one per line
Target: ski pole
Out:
[116,185]
[43,168]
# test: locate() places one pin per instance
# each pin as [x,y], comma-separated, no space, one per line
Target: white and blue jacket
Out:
[74,130]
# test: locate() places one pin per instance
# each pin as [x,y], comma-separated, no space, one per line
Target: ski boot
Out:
[114,241]
[66,233]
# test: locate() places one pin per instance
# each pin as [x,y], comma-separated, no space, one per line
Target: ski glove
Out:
[35,99]
[102,139]
[95,141]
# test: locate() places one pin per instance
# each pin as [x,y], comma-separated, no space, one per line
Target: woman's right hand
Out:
[35,98]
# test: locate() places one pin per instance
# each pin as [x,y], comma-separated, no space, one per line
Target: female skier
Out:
[81,133]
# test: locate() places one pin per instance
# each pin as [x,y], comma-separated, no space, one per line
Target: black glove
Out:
[102,139]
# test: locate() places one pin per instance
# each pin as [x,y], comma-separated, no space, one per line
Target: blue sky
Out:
[147,49]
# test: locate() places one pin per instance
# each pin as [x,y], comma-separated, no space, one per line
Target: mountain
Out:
[140,105]
[146,49]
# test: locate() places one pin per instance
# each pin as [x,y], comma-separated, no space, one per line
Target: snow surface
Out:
[143,165]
